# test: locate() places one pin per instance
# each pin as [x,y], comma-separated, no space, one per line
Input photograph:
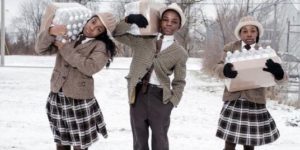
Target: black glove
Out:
[137,19]
[274,68]
[228,72]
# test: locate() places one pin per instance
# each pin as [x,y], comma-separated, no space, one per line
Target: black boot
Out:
[63,147]
[247,147]
[229,146]
[78,148]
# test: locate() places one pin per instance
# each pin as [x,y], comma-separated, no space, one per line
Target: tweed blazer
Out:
[254,95]
[74,67]
[171,60]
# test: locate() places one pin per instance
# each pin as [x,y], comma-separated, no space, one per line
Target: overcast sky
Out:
[11,10]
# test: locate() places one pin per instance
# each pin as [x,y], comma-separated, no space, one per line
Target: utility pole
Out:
[2,33]
[288,36]
[274,40]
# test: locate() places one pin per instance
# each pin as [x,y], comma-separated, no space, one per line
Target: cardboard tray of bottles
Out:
[250,71]
[148,8]
[73,15]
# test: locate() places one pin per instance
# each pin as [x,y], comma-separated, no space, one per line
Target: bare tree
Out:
[31,14]
[83,2]
[23,31]
[28,24]
[228,15]
[183,35]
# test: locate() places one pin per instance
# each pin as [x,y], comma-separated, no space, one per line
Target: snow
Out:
[24,124]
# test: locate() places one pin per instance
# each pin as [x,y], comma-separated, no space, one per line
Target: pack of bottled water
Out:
[251,54]
[249,64]
[74,18]
[150,10]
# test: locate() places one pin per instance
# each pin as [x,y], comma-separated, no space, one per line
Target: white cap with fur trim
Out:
[248,20]
[176,8]
[109,21]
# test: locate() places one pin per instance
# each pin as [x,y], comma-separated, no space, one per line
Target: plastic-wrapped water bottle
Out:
[73,37]
[235,56]
[69,33]
[236,53]
[79,25]
[246,54]
[74,26]
[228,56]
[244,51]
[74,18]
[68,26]
[255,53]
[263,52]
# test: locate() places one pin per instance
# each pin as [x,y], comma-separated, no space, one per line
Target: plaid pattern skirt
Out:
[246,123]
[74,122]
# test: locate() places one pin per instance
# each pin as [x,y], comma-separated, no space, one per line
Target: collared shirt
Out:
[86,40]
[167,41]
[243,45]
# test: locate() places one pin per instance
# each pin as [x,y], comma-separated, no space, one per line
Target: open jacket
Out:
[171,60]
[254,95]
[74,67]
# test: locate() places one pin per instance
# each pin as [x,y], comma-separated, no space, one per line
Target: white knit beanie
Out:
[176,8]
[248,20]
[109,21]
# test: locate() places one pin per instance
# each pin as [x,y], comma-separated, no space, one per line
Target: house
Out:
[291,33]
[276,31]
[292,44]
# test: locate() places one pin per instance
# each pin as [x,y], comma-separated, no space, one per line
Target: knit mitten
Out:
[274,68]
[137,19]
[228,72]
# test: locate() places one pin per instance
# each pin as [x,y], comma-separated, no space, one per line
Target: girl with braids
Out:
[74,115]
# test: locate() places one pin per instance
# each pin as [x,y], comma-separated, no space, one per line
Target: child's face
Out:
[170,22]
[93,28]
[248,34]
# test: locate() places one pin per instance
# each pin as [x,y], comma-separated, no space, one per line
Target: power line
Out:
[218,3]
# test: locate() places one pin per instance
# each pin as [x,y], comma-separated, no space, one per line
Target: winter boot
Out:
[63,147]
[247,147]
[229,146]
[78,148]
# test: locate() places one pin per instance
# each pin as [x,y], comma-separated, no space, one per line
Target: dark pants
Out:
[149,111]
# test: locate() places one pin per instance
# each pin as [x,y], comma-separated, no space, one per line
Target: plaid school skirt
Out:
[246,123]
[74,122]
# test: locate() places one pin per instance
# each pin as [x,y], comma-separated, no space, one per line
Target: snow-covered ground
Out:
[24,125]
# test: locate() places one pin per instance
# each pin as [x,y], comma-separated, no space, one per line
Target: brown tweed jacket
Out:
[253,95]
[171,60]
[74,67]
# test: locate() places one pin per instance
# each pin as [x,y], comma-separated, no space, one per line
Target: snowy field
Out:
[24,125]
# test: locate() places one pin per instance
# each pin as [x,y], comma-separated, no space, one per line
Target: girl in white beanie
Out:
[244,118]
[74,115]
